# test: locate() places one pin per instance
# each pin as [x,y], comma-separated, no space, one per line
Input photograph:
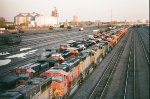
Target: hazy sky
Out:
[130,10]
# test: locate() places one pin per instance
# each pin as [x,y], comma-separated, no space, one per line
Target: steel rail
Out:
[144,48]
[4,72]
[35,42]
[6,69]
[134,70]
[127,74]
[143,39]
[46,43]
[108,75]
[145,33]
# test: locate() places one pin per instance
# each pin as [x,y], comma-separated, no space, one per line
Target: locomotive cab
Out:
[59,81]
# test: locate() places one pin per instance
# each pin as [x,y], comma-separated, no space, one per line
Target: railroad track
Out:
[141,56]
[145,48]
[129,89]
[145,40]
[24,42]
[46,43]
[43,35]
[38,44]
[101,87]
[4,70]
[145,33]
[89,90]
[35,38]
[35,41]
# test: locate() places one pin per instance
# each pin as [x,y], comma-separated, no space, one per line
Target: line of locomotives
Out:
[63,69]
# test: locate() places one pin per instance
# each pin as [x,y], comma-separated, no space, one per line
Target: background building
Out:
[37,20]
[23,18]
[54,12]
[75,20]
[41,21]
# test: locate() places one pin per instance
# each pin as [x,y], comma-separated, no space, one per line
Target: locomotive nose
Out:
[57,89]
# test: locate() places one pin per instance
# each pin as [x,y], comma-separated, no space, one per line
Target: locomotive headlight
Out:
[58,92]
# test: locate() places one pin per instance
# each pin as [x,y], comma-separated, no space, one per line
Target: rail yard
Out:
[87,64]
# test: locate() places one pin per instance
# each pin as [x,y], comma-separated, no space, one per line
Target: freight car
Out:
[10,38]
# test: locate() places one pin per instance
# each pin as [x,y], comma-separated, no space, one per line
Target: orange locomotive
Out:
[63,76]
[70,74]
[67,54]
[28,71]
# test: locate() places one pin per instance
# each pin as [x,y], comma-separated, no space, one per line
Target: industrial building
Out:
[37,20]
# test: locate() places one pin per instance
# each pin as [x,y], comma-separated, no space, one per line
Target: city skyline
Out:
[86,10]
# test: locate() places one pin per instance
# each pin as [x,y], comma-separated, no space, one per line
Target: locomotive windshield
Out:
[23,75]
[57,78]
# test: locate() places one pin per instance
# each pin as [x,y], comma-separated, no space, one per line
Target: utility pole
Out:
[98,23]
[57,17]
[111,16]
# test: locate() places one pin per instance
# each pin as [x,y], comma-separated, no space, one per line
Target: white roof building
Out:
[35,19]
[45,21]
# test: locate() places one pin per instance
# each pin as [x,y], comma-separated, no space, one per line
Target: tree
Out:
[61,26]
[11,27]
[109,25]
[51,27]
[68,27]
[24,24]
[2,22]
